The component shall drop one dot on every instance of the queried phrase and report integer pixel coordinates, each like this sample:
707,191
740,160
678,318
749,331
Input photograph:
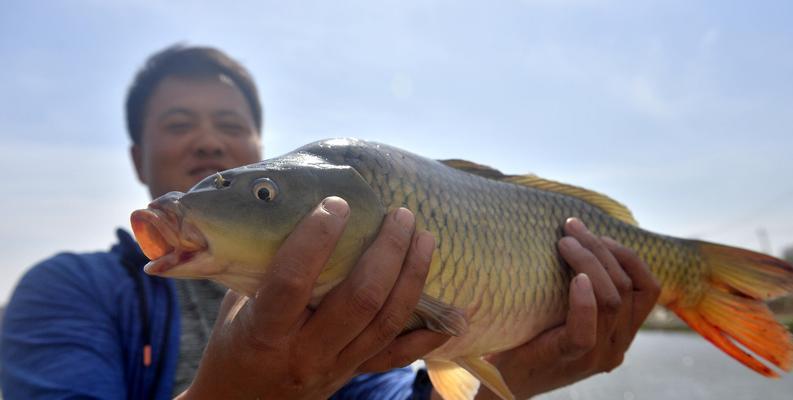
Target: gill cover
246,213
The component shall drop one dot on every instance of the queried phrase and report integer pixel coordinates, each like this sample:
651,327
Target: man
93,325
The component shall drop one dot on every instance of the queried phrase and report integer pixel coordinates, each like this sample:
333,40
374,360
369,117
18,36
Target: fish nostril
220,182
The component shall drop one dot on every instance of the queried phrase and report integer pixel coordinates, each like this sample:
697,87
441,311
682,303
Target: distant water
675,365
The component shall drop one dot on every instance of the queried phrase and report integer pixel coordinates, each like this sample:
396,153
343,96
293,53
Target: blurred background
682,110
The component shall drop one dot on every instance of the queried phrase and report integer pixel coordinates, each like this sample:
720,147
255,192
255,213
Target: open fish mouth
167,239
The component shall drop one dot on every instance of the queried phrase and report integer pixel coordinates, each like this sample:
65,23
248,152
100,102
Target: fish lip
154,234
165,235
176,263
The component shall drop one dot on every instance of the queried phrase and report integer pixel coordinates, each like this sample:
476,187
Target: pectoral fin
487,374
451,381
437,316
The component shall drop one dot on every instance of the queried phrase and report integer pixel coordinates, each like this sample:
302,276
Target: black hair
190,62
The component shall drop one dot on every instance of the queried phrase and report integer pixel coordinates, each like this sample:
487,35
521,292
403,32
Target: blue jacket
77,326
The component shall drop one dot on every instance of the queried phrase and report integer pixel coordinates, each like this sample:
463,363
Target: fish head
229,226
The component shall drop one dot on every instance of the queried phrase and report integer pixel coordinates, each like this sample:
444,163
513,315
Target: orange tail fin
733,309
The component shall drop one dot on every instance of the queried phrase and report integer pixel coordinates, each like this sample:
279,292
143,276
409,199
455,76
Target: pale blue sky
683,110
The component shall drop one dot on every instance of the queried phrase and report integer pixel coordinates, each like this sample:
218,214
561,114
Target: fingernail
569,243
336,206
425,244
148,269
404,218
576,225
582,281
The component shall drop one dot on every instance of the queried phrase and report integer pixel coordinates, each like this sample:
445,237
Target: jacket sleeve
397,384
59,336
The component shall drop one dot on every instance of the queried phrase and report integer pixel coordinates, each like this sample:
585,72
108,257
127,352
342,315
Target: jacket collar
128,248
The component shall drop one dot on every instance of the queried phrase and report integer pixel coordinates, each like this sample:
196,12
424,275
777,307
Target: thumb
229,307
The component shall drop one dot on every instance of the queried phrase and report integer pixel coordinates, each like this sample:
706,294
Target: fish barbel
496,278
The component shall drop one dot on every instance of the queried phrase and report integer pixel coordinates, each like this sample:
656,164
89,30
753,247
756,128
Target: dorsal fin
474,168
605,203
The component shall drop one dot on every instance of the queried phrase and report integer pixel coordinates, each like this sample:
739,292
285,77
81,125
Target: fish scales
514,228
510,216
496,278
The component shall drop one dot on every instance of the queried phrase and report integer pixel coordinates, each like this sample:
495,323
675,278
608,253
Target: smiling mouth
165,237
205,170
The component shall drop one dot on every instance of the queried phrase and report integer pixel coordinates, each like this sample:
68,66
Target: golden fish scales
496,242
496,279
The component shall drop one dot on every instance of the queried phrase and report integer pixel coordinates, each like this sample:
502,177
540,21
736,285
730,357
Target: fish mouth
166,238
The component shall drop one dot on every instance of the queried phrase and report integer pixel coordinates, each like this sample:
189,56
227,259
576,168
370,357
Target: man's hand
609,299
273,346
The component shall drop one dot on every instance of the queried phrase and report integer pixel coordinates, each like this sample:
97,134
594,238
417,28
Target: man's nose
208,142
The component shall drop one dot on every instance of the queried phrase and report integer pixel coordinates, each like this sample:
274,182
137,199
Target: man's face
191,129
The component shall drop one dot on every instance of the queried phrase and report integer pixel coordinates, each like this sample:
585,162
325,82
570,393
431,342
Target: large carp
496,278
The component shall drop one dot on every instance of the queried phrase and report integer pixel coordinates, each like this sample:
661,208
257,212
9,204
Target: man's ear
136,153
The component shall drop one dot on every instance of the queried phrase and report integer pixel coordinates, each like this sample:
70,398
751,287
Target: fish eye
265,189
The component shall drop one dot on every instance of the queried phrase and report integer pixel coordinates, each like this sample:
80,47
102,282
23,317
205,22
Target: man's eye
233,129
178,127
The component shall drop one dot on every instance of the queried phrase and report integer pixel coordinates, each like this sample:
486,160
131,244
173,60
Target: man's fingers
574,227
404,350
580,330
346,311
391,319
646,286
584,261
289,280
614,291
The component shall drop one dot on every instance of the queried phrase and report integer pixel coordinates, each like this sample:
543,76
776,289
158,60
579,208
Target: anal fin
452,381
488,374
